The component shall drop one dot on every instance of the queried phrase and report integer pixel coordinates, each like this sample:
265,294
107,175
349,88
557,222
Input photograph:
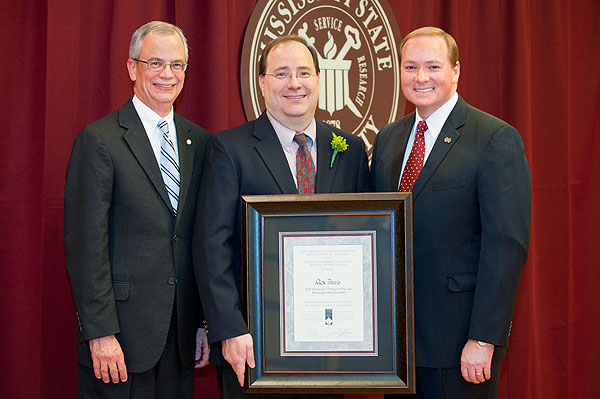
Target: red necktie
415,159
305,168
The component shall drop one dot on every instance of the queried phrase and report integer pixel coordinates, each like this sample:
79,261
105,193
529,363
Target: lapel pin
188,142
447,140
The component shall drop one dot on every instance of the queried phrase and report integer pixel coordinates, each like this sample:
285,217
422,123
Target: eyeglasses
288,75
156,65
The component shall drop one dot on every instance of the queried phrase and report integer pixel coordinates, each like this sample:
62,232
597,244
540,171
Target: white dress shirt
290,147
150,120
435,123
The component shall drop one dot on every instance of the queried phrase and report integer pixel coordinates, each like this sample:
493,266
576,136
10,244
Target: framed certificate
328,289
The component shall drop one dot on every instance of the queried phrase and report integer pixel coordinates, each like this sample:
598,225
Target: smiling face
427,75
291,101
158,90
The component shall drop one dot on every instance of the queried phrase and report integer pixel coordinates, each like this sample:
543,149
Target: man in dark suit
130,201
472,210
259,157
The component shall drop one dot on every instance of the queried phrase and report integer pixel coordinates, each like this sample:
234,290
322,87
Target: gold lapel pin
188,142
447,140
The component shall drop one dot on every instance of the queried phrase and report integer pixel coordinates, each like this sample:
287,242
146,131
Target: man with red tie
284,151
471,192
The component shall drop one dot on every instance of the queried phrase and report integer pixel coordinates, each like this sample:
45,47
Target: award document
328,293
328,289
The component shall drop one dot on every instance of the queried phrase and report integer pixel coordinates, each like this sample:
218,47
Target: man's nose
294,80
167,72
422,75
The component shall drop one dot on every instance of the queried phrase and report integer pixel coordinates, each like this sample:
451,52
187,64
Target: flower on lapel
338,144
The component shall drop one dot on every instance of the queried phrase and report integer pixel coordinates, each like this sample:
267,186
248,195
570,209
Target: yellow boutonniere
338,144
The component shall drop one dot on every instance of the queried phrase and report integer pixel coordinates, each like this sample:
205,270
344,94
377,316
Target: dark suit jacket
127,255
249,160
472,210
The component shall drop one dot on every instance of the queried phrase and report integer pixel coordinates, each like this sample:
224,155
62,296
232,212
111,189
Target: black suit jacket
249,160
472,211
127,255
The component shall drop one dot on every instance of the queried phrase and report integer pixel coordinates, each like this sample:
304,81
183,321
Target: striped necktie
169,165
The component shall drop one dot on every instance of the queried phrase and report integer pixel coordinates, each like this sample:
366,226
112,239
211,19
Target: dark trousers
168,379
230,389
448,383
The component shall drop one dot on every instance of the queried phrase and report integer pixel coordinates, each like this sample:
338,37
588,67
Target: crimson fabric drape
533,63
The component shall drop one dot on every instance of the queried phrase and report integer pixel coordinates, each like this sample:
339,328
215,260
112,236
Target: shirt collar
148,117
436,120
286,135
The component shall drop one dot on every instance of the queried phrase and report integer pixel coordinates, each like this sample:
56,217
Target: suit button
176,238
171,280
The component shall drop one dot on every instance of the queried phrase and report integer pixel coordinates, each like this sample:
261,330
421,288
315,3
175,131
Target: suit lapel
269,149
325,175
138,142
186,146
400,146
444,143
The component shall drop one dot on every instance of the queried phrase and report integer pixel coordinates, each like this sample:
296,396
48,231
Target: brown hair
433,31
262,63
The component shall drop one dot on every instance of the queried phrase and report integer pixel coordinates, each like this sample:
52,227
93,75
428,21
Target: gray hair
157,28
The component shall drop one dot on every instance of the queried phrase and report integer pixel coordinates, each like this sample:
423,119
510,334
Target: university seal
356,41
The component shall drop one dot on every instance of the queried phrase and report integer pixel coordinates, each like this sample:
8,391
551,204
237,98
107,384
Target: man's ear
131,68
261,83
456,72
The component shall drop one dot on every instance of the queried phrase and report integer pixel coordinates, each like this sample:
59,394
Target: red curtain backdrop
534,63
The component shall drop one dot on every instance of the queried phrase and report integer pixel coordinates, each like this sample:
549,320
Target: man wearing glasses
130,202
284,151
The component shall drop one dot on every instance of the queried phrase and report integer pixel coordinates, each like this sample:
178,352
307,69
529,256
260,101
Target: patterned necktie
169,166
305,168
415,159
